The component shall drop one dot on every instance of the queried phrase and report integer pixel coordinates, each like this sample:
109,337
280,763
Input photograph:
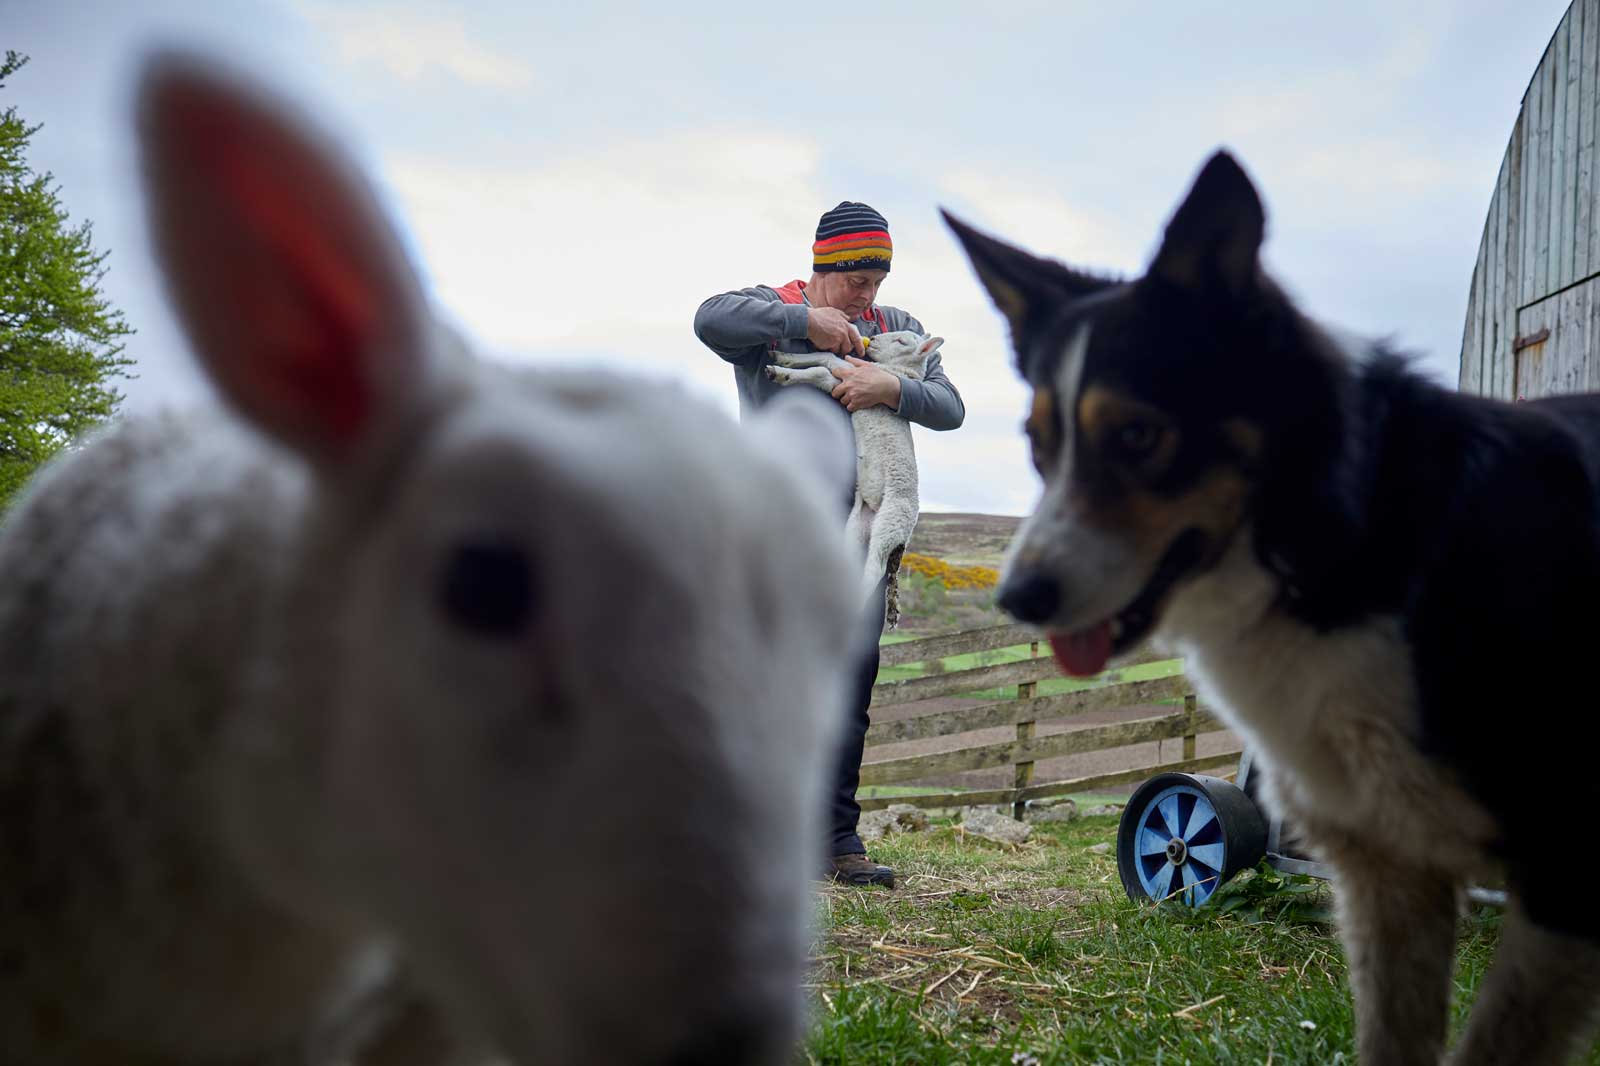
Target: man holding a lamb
879,363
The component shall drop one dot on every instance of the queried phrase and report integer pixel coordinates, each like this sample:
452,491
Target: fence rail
1025,710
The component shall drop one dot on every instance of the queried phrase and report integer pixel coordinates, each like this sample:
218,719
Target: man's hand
831,331
863,384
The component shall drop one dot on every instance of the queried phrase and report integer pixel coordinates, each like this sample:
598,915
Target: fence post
1025,691
1191,726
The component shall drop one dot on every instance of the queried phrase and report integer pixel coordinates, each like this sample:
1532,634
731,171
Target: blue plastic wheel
1183,835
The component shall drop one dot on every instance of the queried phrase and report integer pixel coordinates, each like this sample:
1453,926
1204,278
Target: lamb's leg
891,532
876,567
858,527
1538,1000
891,610
801,360
817,377
891,529
1398,923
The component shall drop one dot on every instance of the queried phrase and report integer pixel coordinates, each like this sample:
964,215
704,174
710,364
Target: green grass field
1047,687
986,955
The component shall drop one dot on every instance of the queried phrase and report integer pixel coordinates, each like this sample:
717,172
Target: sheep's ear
1028,290
294,291
814,434
931,345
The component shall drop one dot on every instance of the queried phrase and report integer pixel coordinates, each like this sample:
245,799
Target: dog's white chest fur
1333,716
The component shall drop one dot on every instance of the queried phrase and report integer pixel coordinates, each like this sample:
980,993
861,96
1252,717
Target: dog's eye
1138,438
487,588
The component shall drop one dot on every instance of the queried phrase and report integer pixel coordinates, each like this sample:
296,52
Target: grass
1082,799
1034,955
880,791
1048,687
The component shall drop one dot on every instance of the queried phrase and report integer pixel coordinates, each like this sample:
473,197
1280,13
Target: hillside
935,600
964,539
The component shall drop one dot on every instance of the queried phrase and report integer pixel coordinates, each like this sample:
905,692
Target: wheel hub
1180,836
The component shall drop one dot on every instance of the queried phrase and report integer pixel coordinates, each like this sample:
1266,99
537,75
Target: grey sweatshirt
742,327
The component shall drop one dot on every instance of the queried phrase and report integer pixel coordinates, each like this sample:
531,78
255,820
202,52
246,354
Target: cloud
982,467
584,223
413,43
1044,214
609,251
599,257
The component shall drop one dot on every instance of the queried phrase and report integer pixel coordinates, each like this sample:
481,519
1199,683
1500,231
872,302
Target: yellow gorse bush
953,577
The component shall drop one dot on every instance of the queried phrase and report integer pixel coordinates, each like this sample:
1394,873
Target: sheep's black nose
1030,597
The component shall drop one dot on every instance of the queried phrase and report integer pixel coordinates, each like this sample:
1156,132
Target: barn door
1528,350
1550,350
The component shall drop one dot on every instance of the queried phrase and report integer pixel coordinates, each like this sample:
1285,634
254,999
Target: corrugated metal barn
1533,318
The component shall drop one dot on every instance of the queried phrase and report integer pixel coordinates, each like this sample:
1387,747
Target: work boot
857,869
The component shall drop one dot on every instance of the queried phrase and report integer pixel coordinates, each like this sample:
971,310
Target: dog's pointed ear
1213,242
1026,288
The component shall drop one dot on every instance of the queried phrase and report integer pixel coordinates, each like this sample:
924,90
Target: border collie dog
1386,587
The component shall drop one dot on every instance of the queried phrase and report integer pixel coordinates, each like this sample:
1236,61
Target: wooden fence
1180,717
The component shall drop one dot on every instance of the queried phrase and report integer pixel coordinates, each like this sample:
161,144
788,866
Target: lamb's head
552,708
904,352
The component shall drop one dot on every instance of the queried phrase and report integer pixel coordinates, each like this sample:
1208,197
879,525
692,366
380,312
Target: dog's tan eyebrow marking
1247,439
1102,411
1097,407
1041,424
1101,408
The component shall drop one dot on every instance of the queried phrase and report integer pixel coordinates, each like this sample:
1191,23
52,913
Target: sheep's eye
487,588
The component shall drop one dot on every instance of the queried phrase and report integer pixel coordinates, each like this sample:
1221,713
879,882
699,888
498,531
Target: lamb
886,506
417,709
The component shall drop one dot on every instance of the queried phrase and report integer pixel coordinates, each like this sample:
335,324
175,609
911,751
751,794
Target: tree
61,341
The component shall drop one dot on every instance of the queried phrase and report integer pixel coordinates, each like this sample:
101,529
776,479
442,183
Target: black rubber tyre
1183,836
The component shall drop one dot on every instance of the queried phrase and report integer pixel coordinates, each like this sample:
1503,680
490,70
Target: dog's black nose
1030,597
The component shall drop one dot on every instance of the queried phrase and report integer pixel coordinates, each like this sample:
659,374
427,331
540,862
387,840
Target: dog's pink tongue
1084,653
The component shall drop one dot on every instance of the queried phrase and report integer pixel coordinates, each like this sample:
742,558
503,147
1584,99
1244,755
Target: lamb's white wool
427,709
886,505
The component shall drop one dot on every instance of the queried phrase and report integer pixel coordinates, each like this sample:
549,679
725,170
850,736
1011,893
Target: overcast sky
572,183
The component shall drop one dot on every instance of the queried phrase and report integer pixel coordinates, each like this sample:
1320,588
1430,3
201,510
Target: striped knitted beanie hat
851,237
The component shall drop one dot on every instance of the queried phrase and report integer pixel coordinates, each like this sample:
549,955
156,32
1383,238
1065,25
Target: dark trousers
845,812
